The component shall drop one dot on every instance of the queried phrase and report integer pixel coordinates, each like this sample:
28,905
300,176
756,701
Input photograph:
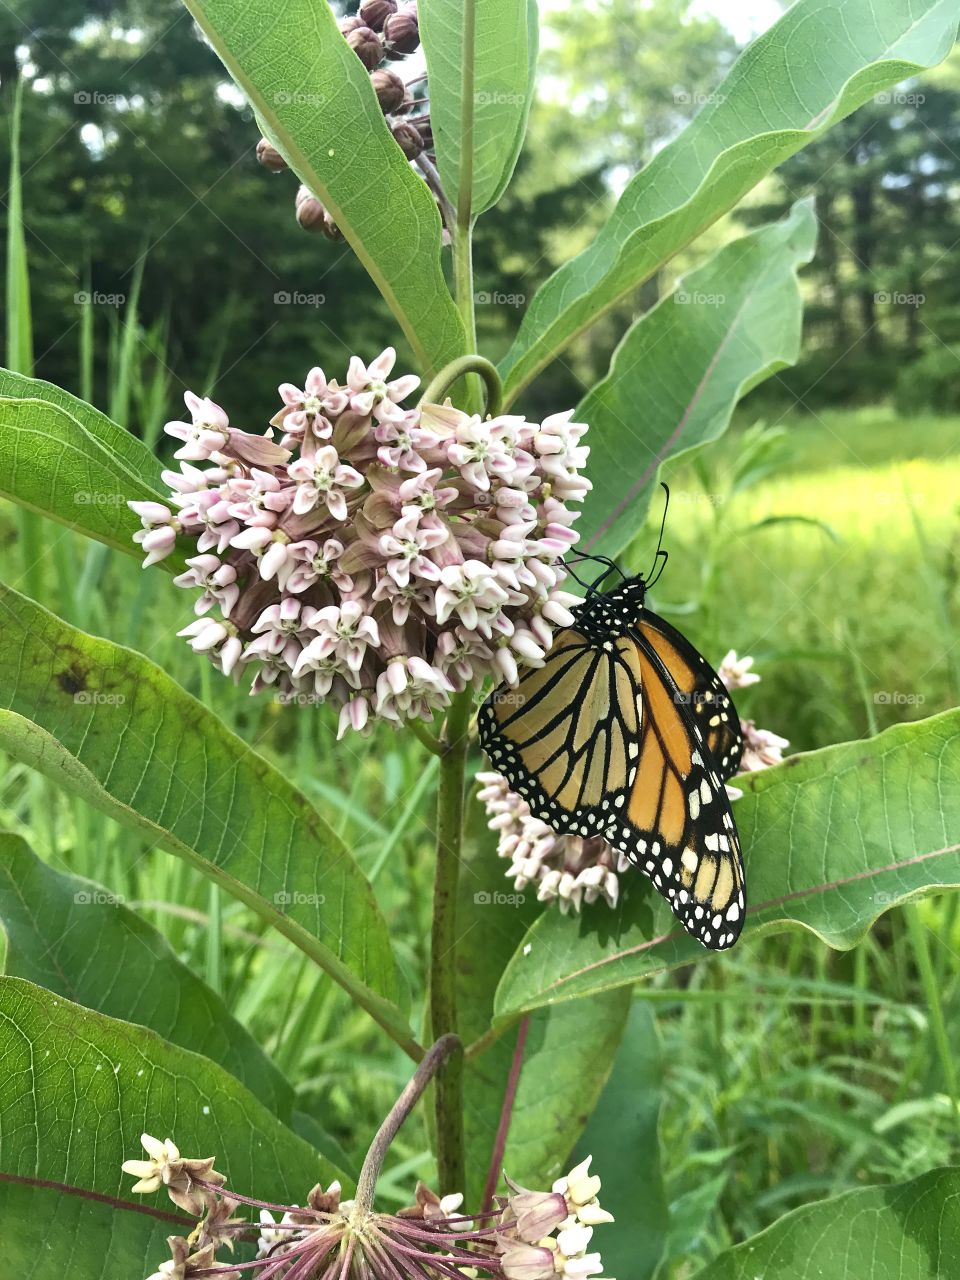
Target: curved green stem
443,951
441,384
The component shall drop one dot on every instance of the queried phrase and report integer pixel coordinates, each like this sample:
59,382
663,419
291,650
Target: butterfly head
604,615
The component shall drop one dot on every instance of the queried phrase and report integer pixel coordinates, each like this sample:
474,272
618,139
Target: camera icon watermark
98,898
898,698
498,98
94,98
294,98
898,299
484,898
296,298
697,298
98,698
899,98
683,98
294,898
87,499
98,299
497,298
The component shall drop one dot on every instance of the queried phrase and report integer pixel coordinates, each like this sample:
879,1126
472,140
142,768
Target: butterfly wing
565,738
702,689
603,740
677,824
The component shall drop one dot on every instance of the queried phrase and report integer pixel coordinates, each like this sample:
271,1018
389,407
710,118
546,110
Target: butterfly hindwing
608,738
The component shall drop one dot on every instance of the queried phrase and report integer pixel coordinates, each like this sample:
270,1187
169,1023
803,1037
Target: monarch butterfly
627,733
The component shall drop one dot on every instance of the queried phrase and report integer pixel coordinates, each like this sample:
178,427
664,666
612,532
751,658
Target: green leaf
47,1231
65,459
822,60
623,1137
571,1046
314,98
481,59
79,941
832,840
680,370
78,1089
877,1233
106,723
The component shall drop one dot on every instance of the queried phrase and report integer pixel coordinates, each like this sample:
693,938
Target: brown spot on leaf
72,681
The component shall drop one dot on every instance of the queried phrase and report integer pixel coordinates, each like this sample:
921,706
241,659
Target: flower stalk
443,952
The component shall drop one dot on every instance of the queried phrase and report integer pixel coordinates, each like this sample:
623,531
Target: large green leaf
48,1232
623,1136
877,1233
571,1046
680,370
822,59
481,58
108,724
65,459
315,100
78,940
78,1089
831,839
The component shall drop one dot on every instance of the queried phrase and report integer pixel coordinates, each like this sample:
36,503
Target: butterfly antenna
609,566
660,556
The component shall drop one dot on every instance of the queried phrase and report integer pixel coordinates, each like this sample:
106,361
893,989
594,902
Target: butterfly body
627,733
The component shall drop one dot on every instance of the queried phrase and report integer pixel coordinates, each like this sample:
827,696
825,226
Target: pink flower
761,748
406,547
380,558
219,583
323,480
471,591
207,431
158,537
311,563
343,632
369,390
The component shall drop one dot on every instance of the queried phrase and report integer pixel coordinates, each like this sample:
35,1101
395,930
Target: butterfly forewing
621,734
701,688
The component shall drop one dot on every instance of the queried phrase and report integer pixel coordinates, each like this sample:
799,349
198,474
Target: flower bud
351,24
389,88
409,139
368,47
375,12
401,31
426,133
312,216
270,157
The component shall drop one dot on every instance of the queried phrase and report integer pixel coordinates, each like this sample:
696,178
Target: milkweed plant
400,538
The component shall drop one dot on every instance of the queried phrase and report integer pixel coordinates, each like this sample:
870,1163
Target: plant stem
443,974
441,384
432,1061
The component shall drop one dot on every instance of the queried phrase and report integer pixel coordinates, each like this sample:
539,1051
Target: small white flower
735,672
470,590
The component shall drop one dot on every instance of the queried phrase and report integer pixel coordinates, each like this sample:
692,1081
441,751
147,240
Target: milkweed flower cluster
572,870
376,557
527,1235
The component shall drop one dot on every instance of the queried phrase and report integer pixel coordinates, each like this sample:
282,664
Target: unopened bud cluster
528,1235
381,34
376,557
572,870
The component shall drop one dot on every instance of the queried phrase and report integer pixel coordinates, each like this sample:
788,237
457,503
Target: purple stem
506,1115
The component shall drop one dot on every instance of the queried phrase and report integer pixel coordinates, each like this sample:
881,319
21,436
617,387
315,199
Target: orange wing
605,740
